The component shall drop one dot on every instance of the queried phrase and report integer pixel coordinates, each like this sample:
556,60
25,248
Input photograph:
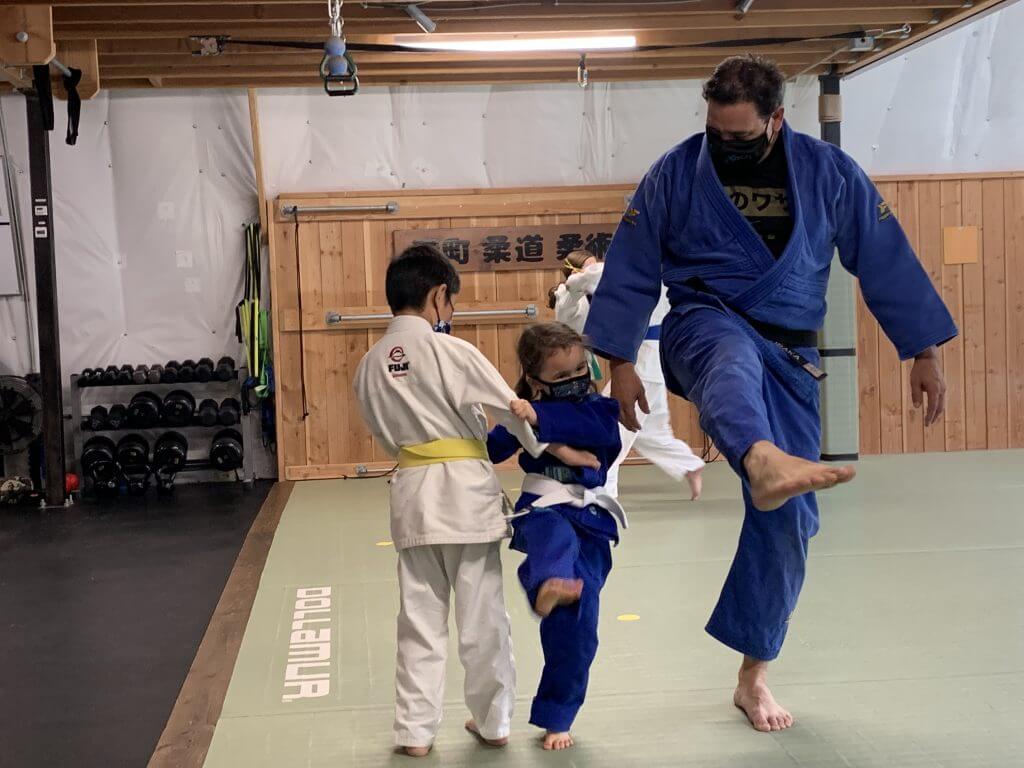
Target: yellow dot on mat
384,543
628,617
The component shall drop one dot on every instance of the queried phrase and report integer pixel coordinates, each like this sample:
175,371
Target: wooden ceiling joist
150,43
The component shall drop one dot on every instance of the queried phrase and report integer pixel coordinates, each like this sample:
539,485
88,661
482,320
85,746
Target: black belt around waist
787,337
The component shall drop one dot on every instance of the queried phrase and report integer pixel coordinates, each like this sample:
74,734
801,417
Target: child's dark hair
573,262
536,342
414,273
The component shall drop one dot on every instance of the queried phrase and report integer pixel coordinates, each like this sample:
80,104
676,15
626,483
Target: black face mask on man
738,154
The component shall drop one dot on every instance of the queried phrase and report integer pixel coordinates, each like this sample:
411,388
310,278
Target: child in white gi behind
423,393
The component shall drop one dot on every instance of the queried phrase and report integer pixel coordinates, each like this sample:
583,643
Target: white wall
158,174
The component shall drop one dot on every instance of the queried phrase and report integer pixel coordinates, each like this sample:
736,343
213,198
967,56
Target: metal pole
530,310
60,67
293,210
46,302
840,434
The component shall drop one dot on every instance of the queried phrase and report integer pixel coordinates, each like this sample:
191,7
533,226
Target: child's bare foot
755,699
696,483
776,477
471,726
556,592
557,741
416,751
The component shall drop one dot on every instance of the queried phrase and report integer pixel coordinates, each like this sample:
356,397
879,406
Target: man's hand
628,390
926,376
523,411
574,457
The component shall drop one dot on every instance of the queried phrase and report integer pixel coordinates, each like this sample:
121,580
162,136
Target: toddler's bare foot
556,592
776,477
557,741
471,726
416,751
696,482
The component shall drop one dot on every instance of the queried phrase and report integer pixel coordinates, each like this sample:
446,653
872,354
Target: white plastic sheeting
483,137
952,105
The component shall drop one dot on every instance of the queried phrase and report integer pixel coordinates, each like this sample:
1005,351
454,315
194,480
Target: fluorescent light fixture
425,22
621,42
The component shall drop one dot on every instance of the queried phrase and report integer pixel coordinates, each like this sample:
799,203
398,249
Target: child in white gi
655,440
423,394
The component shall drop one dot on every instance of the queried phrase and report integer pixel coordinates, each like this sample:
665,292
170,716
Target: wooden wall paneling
313,360
1013,210
913,418
868,334
291,426
929,196
994,270
953,351
976,420
890,370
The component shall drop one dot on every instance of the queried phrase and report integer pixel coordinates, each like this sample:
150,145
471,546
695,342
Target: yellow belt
441,451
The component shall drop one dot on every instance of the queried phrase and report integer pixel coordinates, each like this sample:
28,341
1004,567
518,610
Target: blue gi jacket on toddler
565,541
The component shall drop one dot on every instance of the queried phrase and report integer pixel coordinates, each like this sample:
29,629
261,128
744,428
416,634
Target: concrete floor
907,648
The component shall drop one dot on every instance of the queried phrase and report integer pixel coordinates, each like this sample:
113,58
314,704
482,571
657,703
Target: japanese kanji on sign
483,249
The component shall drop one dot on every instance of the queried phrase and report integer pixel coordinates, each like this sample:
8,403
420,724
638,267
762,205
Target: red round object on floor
70,482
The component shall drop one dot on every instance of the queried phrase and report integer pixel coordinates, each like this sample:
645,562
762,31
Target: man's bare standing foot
557,741
776,477
472,727
756,700
556,592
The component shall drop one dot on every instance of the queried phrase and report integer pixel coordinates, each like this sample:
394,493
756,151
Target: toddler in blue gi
564,522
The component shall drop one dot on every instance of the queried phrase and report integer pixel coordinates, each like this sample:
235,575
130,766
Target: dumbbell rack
83,398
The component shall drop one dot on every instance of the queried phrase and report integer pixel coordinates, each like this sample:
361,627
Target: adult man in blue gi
741,223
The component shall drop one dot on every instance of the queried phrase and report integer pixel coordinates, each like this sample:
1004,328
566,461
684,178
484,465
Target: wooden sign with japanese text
483,249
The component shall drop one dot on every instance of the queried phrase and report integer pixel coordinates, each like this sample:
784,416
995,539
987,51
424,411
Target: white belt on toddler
552,493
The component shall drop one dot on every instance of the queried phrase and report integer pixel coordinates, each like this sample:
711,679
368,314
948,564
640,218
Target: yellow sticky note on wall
960,245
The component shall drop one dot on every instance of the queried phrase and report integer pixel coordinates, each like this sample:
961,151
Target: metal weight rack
198,436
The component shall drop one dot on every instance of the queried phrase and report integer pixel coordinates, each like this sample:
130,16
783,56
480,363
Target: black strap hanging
74,103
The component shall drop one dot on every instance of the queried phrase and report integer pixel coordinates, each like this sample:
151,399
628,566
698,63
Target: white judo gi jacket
415,386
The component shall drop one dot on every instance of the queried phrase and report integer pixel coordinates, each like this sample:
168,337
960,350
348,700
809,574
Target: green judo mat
907,648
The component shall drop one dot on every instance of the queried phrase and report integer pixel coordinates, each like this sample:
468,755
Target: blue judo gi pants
557,547
741,400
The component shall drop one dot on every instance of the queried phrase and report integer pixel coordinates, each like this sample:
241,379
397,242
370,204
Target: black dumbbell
208,413
204,370
144,411
226,450
99,463
109,376
140,375
230,412
187,371
178,408
124,376
117,418
95,378
98,418
225,369
133,459
170,374
155,374
169,457
85,377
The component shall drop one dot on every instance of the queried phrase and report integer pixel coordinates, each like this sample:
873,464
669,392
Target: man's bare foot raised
557,741
776,477
556,592
472,727
755,699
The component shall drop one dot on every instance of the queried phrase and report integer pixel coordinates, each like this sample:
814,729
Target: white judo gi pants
655,440
426,577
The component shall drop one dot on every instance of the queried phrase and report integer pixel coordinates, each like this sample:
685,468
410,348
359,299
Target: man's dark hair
414,273
750,78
